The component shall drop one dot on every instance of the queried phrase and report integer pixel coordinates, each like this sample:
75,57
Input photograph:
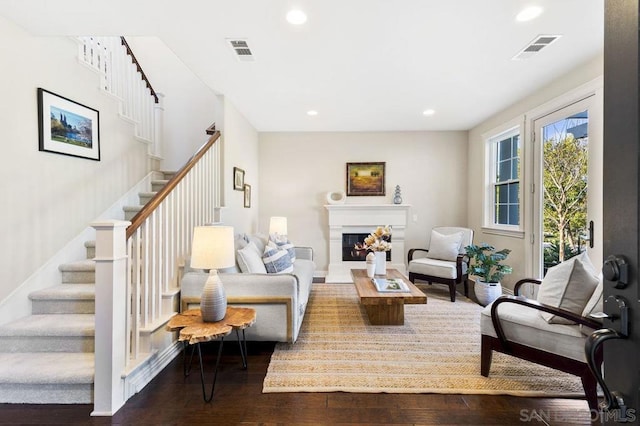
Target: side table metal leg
186,367
215,372
243,348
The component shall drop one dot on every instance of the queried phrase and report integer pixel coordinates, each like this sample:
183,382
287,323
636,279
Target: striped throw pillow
277,261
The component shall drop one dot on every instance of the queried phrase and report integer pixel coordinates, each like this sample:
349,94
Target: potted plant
485,264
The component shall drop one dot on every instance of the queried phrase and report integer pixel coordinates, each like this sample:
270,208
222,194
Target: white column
111,313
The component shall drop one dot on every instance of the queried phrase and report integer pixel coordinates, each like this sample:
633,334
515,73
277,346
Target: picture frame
238,179
67,127
247,196
366,179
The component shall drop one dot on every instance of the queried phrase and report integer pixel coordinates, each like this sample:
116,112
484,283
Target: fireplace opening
349,251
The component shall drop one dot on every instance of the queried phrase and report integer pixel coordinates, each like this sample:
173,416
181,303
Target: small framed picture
365,179
238,179
67,127
247,196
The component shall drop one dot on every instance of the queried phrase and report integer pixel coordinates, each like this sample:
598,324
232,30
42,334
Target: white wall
521,247
48,198
240,148
298,169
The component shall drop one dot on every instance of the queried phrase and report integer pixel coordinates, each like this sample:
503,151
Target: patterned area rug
437,350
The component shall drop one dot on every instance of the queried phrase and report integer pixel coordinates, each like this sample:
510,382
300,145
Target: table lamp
212,249
278,226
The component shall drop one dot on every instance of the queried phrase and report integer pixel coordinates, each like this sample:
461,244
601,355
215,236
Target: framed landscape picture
67,127
365,179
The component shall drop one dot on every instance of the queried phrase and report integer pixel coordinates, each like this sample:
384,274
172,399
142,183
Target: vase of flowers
379,242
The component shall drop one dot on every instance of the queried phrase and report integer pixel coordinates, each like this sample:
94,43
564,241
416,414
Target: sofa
279,297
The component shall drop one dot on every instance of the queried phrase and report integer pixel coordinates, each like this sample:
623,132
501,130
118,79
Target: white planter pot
487,292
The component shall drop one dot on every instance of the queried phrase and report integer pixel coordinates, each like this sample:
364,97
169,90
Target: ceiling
363,65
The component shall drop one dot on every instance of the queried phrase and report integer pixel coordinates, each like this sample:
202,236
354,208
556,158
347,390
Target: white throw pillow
594,305
277,261
444,247
569,286
250,260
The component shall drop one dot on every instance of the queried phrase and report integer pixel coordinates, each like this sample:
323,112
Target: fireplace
350,252
360,220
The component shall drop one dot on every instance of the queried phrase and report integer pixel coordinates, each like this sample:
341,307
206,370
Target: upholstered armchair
445,261
552,329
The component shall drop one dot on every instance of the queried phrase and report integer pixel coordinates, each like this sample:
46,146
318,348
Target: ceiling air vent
241,49
539,43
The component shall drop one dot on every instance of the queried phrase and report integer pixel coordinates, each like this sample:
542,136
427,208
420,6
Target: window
503,201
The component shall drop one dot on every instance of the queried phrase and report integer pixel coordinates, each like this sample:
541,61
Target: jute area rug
437,350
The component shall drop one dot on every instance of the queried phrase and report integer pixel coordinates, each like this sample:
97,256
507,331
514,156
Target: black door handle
616,269
612,400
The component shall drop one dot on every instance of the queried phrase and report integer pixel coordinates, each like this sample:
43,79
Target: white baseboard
146,371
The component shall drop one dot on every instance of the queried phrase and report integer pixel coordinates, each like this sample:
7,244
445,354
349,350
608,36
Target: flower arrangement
378,240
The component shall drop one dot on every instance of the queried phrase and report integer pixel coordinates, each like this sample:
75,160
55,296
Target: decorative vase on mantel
381,263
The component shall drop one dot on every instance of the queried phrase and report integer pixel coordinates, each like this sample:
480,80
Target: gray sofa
280,299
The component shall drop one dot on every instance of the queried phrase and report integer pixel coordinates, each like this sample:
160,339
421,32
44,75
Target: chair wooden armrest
534,304
412,251
516,288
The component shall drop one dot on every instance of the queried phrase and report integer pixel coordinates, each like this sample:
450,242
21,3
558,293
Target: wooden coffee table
385,308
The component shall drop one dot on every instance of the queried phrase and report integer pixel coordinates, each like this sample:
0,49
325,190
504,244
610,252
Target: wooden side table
193,331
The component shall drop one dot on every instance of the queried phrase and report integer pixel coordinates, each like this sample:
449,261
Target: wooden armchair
513,325
445,261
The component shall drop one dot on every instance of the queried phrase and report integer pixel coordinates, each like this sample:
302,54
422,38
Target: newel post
110,333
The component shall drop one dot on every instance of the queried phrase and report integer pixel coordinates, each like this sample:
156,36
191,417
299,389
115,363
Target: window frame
491,139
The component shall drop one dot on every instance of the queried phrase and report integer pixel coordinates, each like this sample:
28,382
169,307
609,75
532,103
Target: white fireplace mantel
364,218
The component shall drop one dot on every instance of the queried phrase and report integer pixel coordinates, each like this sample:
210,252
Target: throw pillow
569,286
283,243
444,247
594,305
250,260
277,261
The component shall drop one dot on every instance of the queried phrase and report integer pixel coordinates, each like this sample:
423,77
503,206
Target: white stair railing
122,76
137,270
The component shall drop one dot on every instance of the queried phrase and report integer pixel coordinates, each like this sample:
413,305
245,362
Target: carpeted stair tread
87,265
51,325
46,368
132,208
65,292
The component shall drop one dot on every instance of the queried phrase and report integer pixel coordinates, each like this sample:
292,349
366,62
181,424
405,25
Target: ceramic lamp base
213,302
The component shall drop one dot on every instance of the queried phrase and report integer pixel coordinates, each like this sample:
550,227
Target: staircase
48,357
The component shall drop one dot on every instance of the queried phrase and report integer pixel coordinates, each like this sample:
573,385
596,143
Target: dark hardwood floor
171,399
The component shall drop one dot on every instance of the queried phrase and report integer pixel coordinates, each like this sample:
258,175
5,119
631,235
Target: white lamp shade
212,247
278,225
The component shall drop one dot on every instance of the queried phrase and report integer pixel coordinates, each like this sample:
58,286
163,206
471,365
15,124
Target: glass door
564,225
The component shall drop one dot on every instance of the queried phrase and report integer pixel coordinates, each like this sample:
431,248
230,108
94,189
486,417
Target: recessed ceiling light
312,112
528,14
296,17
428,112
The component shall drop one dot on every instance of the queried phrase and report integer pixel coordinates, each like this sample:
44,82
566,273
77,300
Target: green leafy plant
485,262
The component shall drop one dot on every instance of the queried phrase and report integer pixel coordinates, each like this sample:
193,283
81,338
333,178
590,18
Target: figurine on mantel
397,197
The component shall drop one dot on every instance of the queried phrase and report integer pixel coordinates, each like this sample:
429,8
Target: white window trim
510,128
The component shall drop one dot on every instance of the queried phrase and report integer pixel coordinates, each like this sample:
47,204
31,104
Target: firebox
349,251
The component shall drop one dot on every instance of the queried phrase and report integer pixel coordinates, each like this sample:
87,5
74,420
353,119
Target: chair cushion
568,285
444,247
250,259
467,235
524,325
434,267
